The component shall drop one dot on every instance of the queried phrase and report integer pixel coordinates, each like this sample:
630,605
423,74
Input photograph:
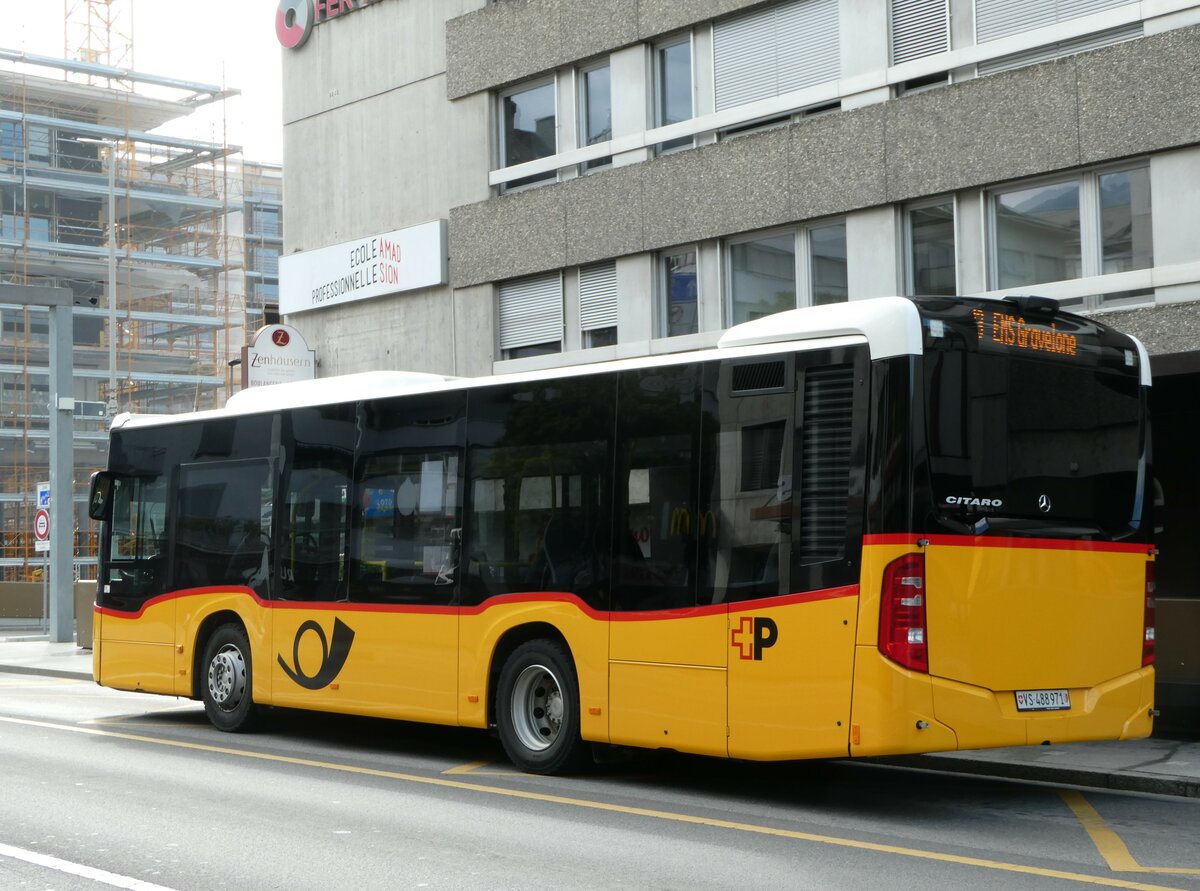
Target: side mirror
100,500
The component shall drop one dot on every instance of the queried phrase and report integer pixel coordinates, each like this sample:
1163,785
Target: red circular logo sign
280,338
41,525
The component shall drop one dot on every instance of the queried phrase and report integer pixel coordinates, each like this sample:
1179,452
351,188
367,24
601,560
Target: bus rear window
1015,438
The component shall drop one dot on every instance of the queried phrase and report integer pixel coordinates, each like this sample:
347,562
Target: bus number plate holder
1043,700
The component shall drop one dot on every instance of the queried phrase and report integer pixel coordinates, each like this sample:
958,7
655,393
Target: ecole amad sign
277,355
371,266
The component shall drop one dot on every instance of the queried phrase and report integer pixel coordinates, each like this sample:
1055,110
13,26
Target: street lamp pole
111,297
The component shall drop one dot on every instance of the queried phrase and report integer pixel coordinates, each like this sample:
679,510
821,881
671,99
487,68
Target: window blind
995,19
531,311
775,50
919,28
598,296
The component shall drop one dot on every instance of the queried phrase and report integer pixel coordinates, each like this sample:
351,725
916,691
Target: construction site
169,246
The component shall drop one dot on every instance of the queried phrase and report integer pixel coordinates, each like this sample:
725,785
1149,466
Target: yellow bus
889,526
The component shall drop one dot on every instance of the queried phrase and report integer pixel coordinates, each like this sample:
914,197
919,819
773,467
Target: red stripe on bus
973,541
497,601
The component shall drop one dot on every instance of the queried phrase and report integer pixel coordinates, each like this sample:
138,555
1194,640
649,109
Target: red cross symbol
746,633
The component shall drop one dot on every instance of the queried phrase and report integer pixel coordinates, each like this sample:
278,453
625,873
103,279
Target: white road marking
78,869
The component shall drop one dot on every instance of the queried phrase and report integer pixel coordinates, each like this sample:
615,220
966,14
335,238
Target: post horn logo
333,658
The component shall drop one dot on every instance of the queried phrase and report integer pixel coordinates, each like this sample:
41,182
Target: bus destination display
1006,330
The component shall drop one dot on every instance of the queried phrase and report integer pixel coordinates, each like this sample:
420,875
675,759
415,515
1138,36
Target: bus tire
537,709
226,680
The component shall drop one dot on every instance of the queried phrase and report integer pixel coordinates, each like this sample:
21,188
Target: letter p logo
753,635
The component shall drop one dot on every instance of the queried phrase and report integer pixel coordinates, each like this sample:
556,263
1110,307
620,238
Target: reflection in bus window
540,457
409,506
660,525
138,535
223,529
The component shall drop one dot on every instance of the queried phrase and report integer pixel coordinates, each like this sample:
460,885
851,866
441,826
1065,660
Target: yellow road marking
1108,843
475,768
669,816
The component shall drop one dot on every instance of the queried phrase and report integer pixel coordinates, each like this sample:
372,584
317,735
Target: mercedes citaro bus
887,526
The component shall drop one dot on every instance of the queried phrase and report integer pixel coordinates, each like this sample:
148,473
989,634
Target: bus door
667,639
786,495
135,632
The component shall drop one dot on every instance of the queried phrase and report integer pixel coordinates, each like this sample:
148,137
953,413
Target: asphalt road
103,789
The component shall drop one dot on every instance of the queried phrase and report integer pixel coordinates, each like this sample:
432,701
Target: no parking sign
41,519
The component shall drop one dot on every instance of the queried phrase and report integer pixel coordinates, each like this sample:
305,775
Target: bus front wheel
537,709
226,680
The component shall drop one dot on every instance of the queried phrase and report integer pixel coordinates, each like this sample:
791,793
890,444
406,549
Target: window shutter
919,28
598,296
809,48
1059,50
531,311
775,50
744,58
1000,18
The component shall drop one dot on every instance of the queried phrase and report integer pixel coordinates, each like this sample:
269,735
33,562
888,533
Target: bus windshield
1032,441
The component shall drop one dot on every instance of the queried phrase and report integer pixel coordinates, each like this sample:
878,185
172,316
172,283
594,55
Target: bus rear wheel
537,709
226,680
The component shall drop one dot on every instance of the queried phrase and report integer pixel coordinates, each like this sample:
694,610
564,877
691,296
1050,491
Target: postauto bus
887,526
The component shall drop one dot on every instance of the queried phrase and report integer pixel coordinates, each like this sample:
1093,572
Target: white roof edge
319,391
891,325
1143,360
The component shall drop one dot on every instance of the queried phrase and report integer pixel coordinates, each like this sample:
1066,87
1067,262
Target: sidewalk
1158,766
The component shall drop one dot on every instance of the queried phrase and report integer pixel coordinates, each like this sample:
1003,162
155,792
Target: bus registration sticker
1043,700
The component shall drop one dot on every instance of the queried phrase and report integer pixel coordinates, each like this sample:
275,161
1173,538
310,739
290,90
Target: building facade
169,245
616,178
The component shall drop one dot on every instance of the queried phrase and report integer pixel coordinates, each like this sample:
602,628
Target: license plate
1043,700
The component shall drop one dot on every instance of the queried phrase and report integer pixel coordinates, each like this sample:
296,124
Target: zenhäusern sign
277,355
371,266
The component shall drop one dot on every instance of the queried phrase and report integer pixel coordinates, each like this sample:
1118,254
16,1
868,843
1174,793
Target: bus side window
659,522
407,500
410,514
223,524
137,537
314,526
540,459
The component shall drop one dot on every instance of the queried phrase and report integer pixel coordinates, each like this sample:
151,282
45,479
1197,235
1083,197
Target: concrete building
590,179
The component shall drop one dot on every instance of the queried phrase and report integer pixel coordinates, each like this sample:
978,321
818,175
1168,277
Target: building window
12,141
531,316
677,279
673,88
598,304
766,277
595,104
931,260
39,144
528,129
762,277
1094,223
827,264
771,51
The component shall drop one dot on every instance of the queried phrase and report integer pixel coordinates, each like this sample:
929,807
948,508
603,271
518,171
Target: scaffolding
160,285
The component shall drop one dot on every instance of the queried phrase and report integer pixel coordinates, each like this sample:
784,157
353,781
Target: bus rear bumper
897,712
1121,708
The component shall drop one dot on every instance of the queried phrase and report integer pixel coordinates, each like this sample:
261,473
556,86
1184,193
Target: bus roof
890,326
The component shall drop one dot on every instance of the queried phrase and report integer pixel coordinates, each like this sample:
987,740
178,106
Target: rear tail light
1148,618
902,631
